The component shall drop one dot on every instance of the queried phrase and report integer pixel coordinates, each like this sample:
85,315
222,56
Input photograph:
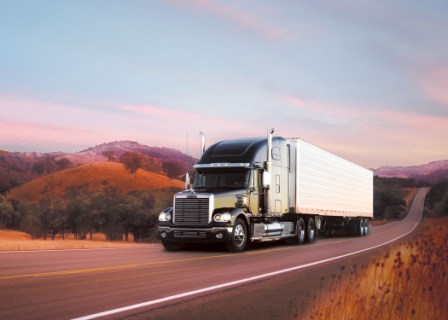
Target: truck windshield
221,179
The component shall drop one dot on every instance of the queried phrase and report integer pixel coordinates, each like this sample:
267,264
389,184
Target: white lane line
234,283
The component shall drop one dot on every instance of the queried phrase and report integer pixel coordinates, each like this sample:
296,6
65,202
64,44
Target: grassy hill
17,168
97,176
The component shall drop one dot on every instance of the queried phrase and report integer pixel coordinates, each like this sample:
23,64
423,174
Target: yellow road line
136,265
92,270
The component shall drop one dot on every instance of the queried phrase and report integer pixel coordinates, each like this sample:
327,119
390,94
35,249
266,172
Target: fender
236,213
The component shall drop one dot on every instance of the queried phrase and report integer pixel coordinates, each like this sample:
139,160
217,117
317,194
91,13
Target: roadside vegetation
82,213
101,197
392,197
408,282
437,199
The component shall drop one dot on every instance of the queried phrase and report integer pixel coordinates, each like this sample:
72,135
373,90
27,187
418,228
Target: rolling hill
17,168
97,175
430,172
153,157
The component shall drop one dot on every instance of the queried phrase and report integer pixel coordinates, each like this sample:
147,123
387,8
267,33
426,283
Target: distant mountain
96,175
17,168
430,172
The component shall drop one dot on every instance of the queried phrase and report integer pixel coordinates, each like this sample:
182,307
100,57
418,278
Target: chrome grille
191,211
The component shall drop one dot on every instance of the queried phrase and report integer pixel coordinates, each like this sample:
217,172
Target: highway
270,280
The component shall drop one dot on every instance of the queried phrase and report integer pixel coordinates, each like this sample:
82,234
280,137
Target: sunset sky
367,80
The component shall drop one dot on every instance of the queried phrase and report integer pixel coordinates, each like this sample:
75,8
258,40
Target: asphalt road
268,281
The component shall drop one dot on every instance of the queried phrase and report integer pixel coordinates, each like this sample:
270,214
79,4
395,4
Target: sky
367,80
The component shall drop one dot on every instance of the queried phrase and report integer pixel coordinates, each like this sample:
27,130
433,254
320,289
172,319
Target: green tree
47,209
388,200
79,211
109,154
112,207
7,214
171,169
140,215
131,160
63,163
437,198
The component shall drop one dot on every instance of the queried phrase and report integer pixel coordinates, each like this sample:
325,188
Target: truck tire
299,236
356,227
172,246
310,236
366,227
238,239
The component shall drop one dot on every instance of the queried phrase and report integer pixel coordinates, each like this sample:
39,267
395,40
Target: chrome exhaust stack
202,142
269,152
266,178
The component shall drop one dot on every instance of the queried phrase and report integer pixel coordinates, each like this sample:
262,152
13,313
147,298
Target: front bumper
194,235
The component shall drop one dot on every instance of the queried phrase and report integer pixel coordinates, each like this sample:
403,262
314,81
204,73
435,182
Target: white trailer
327,185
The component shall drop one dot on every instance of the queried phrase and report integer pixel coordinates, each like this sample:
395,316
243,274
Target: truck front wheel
238,239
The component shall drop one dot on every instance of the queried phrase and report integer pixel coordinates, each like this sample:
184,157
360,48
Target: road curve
151,283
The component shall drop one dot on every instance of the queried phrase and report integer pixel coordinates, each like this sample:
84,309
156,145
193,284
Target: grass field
408,282
11,240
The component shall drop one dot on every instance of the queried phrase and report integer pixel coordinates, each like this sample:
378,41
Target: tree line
388,198
82,212
134,161
437,199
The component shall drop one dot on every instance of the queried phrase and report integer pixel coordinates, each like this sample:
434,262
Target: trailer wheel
366,228
310,230
363,227
356,227
299,237
172,246
238,238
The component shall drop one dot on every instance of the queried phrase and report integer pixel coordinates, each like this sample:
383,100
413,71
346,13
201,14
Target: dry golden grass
97,175
11,240
409,282
13,235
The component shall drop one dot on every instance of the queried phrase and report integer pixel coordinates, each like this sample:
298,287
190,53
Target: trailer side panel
328,185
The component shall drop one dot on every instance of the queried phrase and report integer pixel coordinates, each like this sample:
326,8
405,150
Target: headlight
222,217
164,216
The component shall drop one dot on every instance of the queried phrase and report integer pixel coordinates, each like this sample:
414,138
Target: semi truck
264,189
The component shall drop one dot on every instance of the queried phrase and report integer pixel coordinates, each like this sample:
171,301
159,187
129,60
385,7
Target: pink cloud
164,113
316,107
399,137
239,18
368,115
435,85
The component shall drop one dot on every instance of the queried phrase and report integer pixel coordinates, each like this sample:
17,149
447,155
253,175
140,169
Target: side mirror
266,179
187,181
